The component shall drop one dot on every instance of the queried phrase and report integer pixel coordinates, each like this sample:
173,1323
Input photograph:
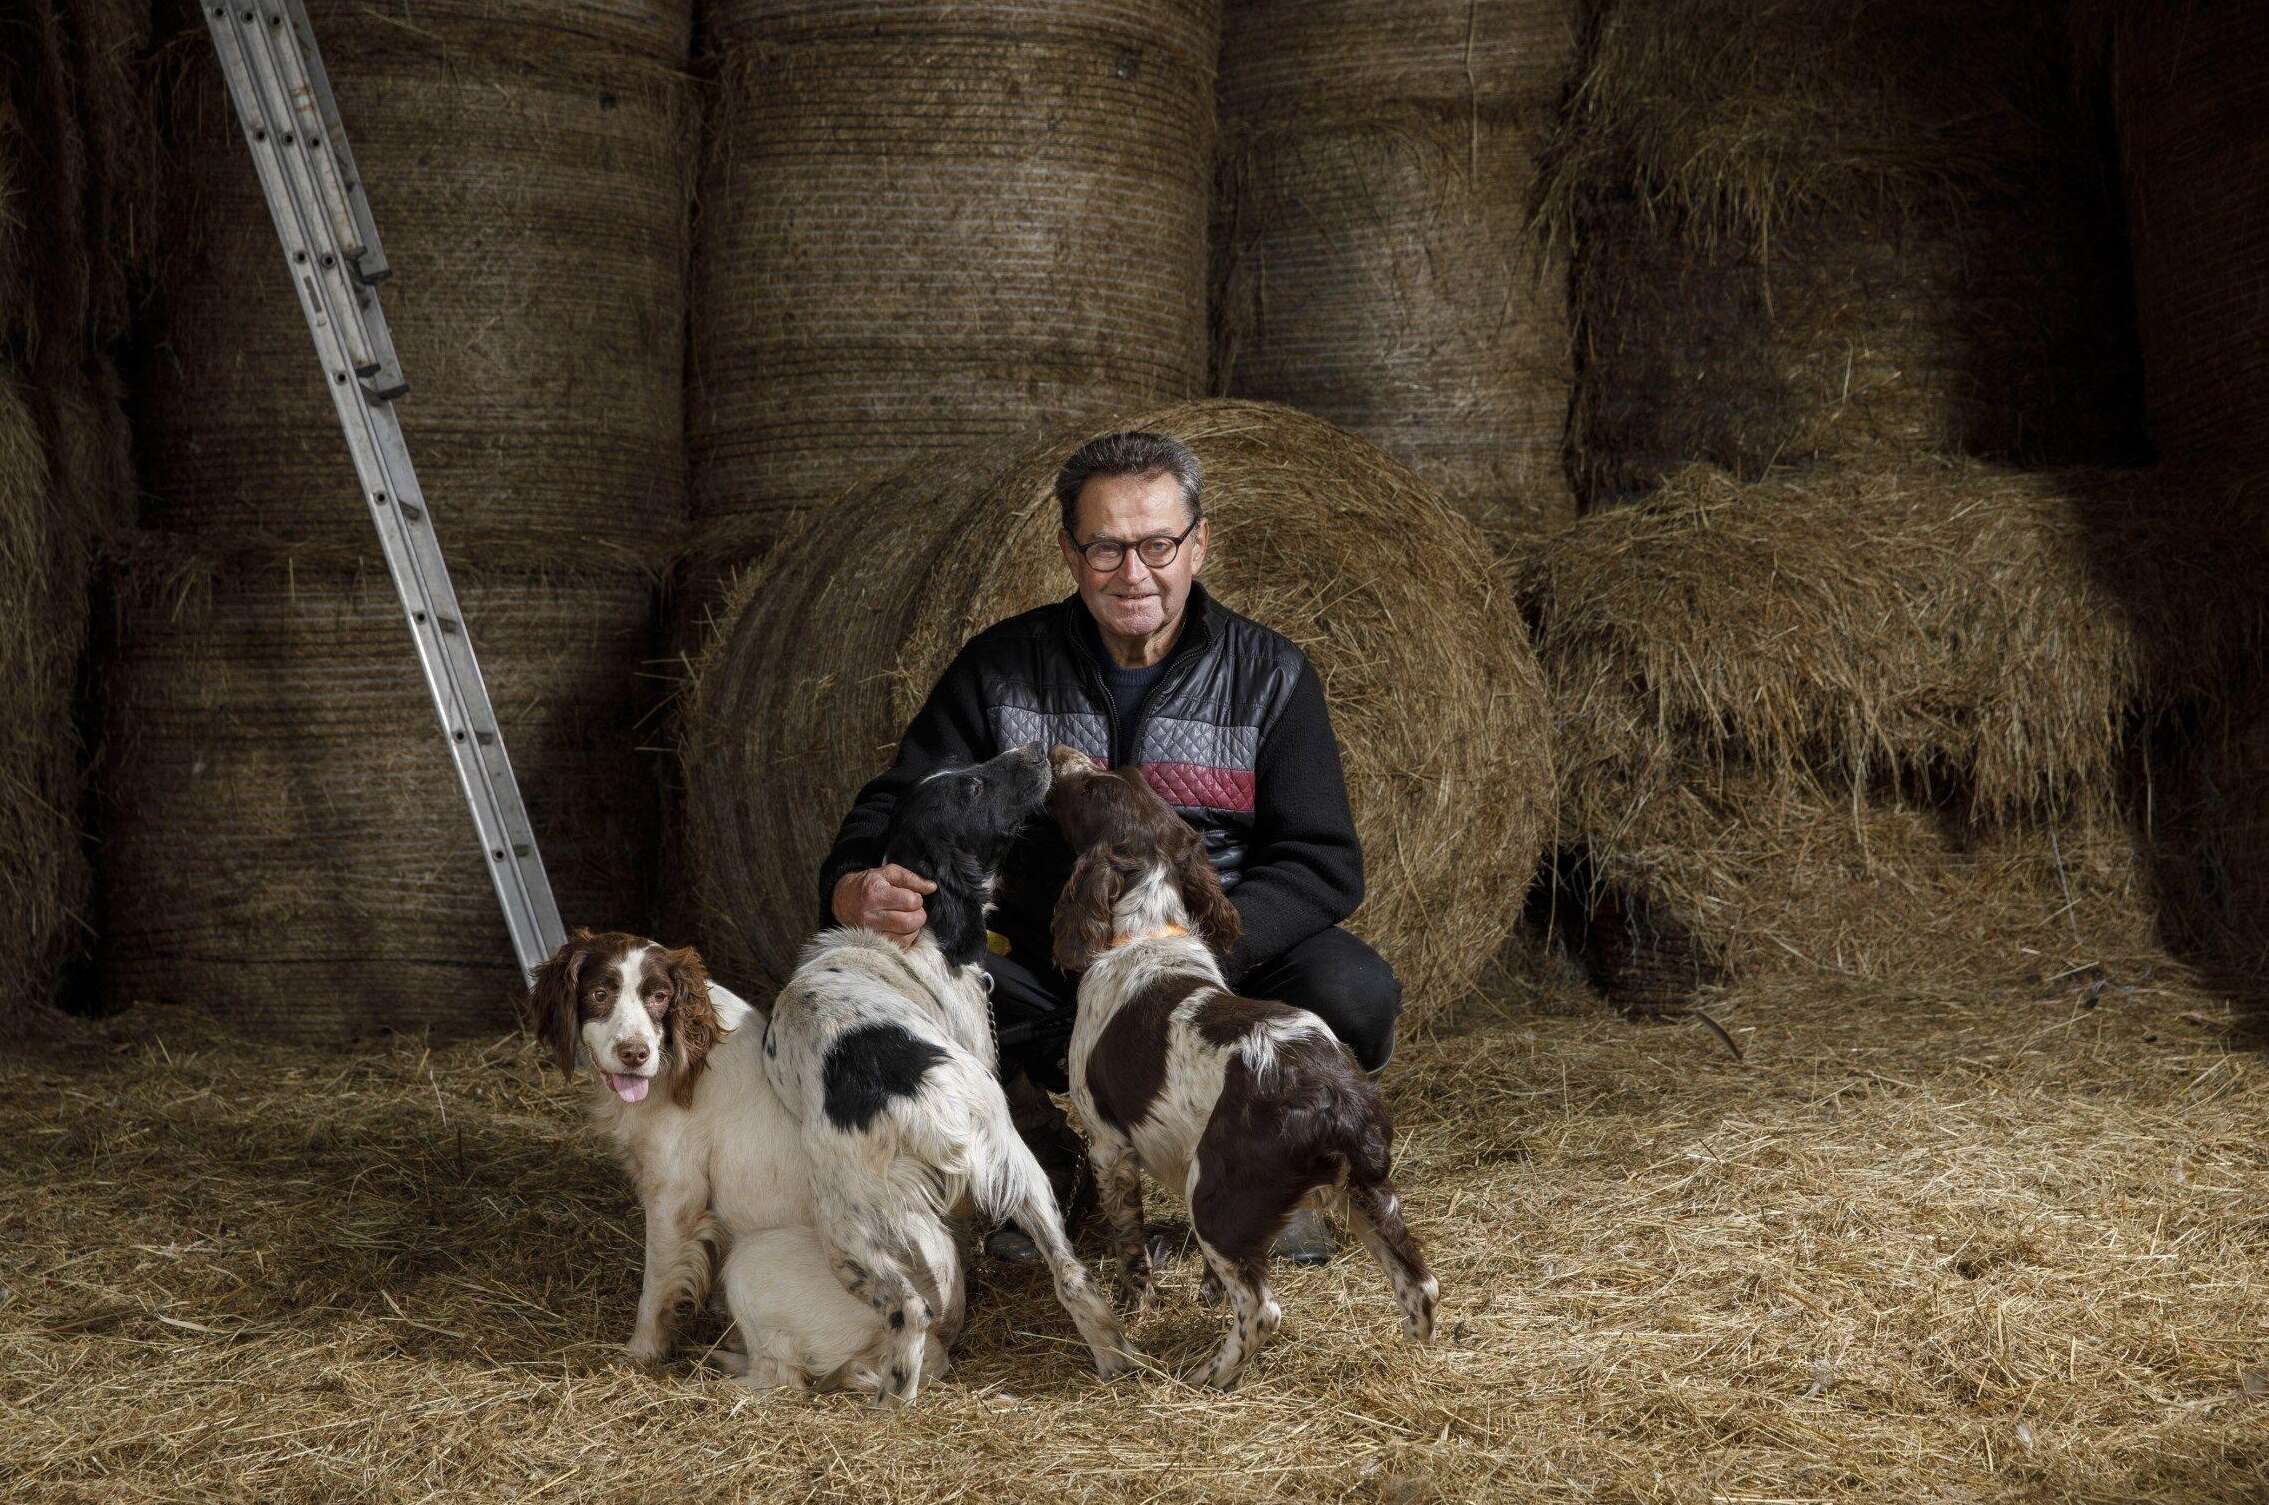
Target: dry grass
2000,633
1945,1247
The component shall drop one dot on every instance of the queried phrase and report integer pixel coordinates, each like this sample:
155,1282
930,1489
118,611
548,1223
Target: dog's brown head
638,1009
1121,830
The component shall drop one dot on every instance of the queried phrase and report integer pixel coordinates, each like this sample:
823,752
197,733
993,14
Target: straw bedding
1370,260
526,163
284,835
1803,230
1432,686
1942,1245
926,225
2190,83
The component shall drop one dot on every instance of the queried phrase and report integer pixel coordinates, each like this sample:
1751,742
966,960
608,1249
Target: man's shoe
1306,1239
1011,1245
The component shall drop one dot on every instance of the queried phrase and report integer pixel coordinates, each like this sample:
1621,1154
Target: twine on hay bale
527,165
926,225
1370,263
1803,230
2190,88
1432,687
286,841
1995,632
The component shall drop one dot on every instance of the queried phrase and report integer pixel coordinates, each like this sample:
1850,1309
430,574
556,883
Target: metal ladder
283,101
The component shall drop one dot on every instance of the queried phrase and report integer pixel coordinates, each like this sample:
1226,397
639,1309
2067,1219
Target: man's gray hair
1130,453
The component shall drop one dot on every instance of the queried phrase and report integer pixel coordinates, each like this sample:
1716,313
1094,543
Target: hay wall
1805,231
284,834
926,225
2190,83
527,166
69,181
1431,683
1808,722
285,840
1371,260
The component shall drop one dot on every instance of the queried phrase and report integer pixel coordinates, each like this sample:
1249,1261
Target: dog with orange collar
1251,1109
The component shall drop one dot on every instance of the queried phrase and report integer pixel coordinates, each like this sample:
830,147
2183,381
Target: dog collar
1162,933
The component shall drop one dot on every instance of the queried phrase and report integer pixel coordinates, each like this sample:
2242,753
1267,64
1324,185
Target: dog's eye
658,999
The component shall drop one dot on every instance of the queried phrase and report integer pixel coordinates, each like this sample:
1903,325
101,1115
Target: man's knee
1351,987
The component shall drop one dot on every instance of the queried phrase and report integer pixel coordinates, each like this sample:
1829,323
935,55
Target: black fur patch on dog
869,1066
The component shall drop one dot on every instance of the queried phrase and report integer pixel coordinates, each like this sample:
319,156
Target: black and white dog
886,1055
1248,1108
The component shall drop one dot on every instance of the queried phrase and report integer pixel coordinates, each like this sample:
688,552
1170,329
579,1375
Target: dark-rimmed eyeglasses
1106,554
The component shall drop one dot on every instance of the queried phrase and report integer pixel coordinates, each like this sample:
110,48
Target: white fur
729,1174
885,1187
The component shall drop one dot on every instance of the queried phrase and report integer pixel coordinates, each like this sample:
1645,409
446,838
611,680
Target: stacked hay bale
1805,230
69,179
1372,264
285,838
1433,689
1875,721
925,225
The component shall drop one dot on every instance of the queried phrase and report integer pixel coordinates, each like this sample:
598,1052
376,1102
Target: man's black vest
1202,724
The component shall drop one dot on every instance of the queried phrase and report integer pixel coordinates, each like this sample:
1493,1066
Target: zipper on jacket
1175,674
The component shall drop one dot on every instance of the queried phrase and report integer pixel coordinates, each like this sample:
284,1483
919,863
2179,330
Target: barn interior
1775,491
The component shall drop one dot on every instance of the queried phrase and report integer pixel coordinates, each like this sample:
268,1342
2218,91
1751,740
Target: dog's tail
1005,1181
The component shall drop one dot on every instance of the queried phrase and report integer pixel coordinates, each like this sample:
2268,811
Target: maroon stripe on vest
1193,786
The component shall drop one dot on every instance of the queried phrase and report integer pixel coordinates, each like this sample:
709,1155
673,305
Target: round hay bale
1372,264
285,838
2190,82
527,162
1432,687
924,225
1997,633
1803,231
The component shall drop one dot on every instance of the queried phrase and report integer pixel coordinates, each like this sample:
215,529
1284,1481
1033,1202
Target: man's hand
886,898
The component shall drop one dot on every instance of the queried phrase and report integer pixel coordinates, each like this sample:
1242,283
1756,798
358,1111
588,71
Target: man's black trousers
1332,974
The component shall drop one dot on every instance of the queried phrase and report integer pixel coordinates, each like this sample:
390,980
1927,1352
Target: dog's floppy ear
551,997
1082,924
692,1019
1211,914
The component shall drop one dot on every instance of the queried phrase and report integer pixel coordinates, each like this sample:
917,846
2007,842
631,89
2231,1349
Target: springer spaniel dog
720,1168
1248,1108
885,1054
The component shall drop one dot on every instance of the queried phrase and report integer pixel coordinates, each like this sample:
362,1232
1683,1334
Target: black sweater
1291,863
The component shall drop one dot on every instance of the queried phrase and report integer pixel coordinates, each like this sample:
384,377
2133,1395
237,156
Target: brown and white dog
1248,1108
718,1161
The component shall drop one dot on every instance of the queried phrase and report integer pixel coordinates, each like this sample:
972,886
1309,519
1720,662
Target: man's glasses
1107,554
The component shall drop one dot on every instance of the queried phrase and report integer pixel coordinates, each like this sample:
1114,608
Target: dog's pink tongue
630,1089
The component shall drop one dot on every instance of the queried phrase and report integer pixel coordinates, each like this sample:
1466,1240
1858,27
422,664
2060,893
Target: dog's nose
632,1054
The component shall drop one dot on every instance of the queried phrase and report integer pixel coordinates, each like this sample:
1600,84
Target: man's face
1134,600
